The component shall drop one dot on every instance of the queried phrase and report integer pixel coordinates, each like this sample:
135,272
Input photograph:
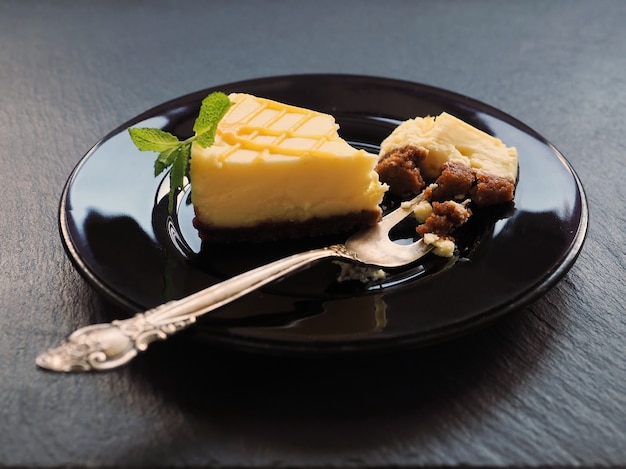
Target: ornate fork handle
106,346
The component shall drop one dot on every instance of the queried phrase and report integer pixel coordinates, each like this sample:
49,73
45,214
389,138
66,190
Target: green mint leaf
213,108
176,154
165,160
178,173
148,139
206,139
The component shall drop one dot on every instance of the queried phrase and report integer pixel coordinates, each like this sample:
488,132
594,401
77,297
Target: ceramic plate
116,229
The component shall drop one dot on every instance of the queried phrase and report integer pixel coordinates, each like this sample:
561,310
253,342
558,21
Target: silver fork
109,345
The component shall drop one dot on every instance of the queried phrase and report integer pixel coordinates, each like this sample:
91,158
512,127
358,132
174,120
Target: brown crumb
492,190
400,169
445,218
455,182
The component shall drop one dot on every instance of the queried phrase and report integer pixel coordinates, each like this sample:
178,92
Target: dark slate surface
543,387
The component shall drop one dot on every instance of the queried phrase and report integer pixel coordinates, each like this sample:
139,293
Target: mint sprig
175,153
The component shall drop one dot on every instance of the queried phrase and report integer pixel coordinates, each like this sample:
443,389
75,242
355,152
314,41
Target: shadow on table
423,393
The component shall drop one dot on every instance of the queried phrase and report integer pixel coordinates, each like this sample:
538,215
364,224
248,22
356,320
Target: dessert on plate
261,170
277,172
459,167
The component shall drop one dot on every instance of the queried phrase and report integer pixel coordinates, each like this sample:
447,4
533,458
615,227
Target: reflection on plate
116,229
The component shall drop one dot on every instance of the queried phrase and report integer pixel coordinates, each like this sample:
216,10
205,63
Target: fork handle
109,345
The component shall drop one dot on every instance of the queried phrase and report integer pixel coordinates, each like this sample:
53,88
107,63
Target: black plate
116,229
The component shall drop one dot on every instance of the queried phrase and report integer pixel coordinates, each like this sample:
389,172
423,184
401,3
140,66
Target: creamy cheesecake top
447,138
258,128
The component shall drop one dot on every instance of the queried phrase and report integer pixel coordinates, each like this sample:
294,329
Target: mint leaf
176,154
213,108
178,173
206,139
148,139
165,160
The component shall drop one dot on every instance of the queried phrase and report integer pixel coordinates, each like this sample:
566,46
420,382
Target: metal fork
109,345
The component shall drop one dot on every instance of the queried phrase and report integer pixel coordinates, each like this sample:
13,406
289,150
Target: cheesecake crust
457,181
400,169
491,190
288,230
454,183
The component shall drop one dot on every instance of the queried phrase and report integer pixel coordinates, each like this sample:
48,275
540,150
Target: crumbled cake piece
422,211
454,182
491,190
400,170
458,161
448,138
443,247
445,217
437,228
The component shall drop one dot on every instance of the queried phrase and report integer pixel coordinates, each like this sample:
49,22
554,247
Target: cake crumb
492,190
362,273
443,247
454,182
445,217
400,170
422,211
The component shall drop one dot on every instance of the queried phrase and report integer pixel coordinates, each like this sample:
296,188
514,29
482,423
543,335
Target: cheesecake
422,149
458,167
276,172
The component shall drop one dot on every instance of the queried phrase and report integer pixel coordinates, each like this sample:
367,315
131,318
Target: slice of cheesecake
420,150
280,172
